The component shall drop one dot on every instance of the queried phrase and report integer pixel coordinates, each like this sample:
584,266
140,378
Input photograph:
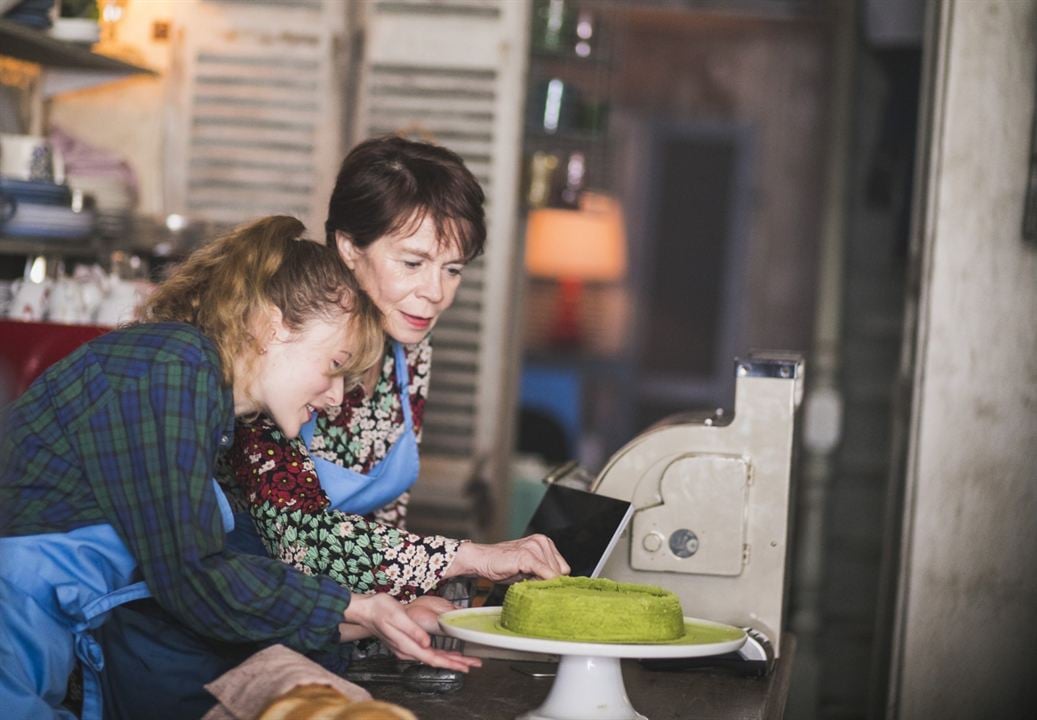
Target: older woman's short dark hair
388,185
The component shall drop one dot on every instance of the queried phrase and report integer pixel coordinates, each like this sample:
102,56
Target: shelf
12,245
567,137
25,43
569,58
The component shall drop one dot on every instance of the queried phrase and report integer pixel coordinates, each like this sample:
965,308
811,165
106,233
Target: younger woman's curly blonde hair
226,287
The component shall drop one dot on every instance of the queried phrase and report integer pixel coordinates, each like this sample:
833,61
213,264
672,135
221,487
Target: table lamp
574,247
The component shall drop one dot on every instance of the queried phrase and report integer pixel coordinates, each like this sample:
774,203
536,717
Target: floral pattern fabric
363,556
274,477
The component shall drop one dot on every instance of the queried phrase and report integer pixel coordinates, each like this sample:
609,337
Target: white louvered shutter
257,124
453,71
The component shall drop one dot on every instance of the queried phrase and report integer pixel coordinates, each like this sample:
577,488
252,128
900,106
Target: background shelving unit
583,126
34,46
574,385
63,67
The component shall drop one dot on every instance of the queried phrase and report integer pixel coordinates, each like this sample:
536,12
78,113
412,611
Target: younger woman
106,464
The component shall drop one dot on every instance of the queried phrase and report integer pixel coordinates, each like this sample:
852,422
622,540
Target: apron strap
403,380
88,650
226,512
105,603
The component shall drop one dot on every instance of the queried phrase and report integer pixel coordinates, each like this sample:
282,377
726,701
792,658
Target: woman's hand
384,617
532,556
425,611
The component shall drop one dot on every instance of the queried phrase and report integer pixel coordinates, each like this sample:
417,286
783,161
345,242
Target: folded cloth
245,691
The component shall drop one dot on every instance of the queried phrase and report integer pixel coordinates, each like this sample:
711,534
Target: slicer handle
758,647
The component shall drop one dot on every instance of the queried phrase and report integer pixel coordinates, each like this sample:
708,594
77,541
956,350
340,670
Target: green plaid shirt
126,431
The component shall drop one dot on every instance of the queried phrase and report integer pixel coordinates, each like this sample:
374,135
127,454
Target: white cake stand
589,684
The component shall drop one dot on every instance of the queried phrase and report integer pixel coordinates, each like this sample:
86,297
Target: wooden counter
496,692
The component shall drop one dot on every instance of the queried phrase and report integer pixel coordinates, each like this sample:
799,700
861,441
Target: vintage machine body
711,504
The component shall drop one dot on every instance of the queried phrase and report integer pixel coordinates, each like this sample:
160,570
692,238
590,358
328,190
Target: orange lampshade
584,244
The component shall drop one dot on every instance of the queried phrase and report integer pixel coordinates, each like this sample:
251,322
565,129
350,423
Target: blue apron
56,588
359,493
348,490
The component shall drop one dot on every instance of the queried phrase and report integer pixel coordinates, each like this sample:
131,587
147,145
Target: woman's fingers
401,626
450,659
434,603
550,554
404,646
544,560
386,618
535,556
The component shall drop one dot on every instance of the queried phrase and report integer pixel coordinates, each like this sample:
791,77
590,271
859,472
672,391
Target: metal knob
652,542
684,543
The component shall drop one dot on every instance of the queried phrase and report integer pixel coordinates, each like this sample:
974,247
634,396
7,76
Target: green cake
592,610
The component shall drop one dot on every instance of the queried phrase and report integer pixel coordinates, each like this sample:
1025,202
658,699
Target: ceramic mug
30,158
29,300
67,304
120,303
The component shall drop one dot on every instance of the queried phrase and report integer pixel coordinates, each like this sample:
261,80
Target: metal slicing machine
711,505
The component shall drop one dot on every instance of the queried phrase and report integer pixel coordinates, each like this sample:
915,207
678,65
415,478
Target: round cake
592,610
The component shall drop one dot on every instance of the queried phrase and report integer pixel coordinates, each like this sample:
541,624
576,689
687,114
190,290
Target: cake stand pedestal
589,684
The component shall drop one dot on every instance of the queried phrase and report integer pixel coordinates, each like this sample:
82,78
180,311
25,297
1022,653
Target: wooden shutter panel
453,72
259,109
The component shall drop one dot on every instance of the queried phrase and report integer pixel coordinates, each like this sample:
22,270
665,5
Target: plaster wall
772,78
967,639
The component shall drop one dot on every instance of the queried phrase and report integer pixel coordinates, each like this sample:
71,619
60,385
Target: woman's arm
362,555
148,451
368,557
297,525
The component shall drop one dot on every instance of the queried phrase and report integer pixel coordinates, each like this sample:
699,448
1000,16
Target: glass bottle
552,22
585,34
575,177
542,168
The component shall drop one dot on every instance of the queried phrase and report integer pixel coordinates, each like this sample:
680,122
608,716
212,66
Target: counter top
497,692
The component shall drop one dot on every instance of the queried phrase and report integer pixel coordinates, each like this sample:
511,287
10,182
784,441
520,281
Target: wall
770,76
759,85
966,643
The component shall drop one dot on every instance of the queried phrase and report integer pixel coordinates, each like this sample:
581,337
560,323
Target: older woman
406,217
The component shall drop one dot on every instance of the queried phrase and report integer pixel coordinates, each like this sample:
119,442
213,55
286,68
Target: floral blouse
276,478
